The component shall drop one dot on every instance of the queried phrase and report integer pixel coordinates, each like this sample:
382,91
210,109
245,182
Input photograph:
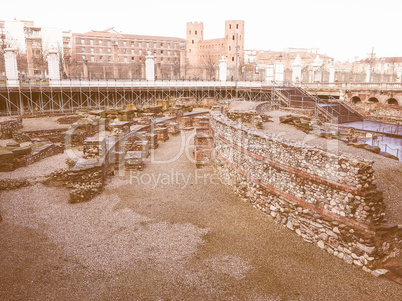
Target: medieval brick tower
195,35
234,36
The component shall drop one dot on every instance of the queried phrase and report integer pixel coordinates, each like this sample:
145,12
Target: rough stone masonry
328,199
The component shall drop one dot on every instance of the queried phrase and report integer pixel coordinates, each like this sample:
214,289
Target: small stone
273,213
348,259
298,232
340,255
336,230
323,236
365,248
366,269
321,244
332,234
358,263
290,225
379,272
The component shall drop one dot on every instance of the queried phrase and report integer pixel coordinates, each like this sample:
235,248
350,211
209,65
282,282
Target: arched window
355,99
392,101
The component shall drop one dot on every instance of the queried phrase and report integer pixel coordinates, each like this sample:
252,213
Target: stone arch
392,101
355,99
373,100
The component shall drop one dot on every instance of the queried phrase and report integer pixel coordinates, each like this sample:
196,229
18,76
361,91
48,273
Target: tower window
189,32
230,26
237,26
192,42
195,33
233,38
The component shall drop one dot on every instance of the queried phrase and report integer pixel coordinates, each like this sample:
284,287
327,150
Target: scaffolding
66,97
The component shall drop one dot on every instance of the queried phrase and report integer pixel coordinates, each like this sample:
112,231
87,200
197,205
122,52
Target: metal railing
386,147
353,86
135,83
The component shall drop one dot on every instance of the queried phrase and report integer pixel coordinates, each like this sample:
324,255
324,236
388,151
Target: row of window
124,59
133,51
101,42
195,32
211,46
230,26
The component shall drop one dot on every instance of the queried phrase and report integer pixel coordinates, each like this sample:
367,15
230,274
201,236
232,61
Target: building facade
204,55
32,44
109,47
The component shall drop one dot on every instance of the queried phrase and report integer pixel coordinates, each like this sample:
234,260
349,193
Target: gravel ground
170,232
388,172
41,123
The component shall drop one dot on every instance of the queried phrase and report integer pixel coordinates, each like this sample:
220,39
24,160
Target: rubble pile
329,200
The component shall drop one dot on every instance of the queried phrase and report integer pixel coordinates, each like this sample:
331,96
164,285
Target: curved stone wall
328,199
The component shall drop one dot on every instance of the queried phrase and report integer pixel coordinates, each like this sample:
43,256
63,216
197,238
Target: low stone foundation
9,126
15,157
86,179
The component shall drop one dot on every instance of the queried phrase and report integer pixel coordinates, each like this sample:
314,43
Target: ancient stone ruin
328,199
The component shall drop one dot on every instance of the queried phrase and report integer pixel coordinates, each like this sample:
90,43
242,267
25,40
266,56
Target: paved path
171,232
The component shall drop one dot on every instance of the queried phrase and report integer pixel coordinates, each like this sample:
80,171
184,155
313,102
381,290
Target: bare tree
210,65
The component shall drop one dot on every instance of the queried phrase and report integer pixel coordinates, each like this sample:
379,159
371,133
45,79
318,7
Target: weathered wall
329,200
9,126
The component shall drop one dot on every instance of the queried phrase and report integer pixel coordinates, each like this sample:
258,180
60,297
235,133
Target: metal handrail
317,108
345,105
386,146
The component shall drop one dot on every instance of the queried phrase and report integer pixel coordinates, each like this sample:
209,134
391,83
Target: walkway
169,232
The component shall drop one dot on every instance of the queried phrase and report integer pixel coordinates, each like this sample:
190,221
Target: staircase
332,109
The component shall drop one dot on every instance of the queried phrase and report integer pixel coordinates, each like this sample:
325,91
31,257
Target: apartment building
32,42
104,46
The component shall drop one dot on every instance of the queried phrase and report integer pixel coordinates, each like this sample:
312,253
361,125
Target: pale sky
343,29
